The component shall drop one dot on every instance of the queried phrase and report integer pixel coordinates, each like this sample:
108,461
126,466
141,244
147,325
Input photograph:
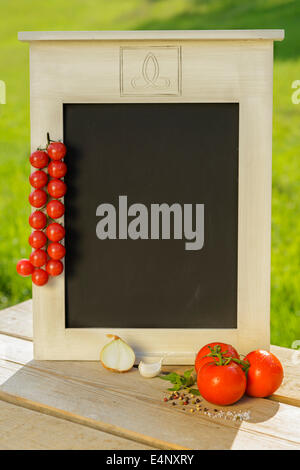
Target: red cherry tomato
37,239
201,359
39,159
265,373
56,250
55,232
38,179
39,277
57,169
54,267
57,188
38,198
24,267
38,258
221,384
55,209
56,150
37,220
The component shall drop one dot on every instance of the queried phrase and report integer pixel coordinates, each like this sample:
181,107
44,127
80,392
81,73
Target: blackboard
183,153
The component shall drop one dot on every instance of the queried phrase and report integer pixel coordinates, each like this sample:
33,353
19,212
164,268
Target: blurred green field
18,15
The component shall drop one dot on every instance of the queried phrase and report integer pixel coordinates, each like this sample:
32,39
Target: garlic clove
149,370
117,355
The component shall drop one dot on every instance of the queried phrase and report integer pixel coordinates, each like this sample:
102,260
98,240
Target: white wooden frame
212,66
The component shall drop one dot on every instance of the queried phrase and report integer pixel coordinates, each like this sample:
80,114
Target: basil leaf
172,377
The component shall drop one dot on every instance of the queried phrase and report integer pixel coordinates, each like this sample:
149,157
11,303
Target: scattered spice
186,397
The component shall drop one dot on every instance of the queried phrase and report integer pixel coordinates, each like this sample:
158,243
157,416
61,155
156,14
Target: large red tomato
226,349
221,384
265,373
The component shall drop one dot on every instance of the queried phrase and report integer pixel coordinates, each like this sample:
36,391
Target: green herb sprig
182,382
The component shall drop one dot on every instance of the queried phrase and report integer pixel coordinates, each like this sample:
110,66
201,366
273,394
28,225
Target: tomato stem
223,360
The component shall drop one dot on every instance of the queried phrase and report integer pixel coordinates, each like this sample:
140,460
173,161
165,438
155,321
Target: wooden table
79,405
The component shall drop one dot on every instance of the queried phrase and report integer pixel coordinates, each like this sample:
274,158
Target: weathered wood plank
289,392
24,429
17,321
134,405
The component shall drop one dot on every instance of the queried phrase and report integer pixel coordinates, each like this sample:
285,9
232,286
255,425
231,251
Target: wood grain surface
128,409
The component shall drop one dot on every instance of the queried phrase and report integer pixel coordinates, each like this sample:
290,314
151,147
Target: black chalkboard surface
174,153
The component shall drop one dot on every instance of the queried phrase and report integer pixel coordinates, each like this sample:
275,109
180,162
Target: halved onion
117,355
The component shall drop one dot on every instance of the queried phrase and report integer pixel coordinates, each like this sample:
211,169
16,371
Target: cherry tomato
24,267
56,150
221,384
38,258
37,239
57,188
265,373
54,267
38,179
57,169
56,250
39,277
55,232
55,209
37,220
201,359
38,198
39,159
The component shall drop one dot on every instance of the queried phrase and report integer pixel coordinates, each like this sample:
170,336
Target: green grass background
19,15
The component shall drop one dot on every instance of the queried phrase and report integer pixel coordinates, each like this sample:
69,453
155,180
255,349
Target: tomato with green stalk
222,380
203,355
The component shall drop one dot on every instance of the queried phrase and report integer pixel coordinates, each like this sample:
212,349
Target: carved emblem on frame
149,71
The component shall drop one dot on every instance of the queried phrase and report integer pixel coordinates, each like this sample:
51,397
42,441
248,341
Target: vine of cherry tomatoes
48,188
